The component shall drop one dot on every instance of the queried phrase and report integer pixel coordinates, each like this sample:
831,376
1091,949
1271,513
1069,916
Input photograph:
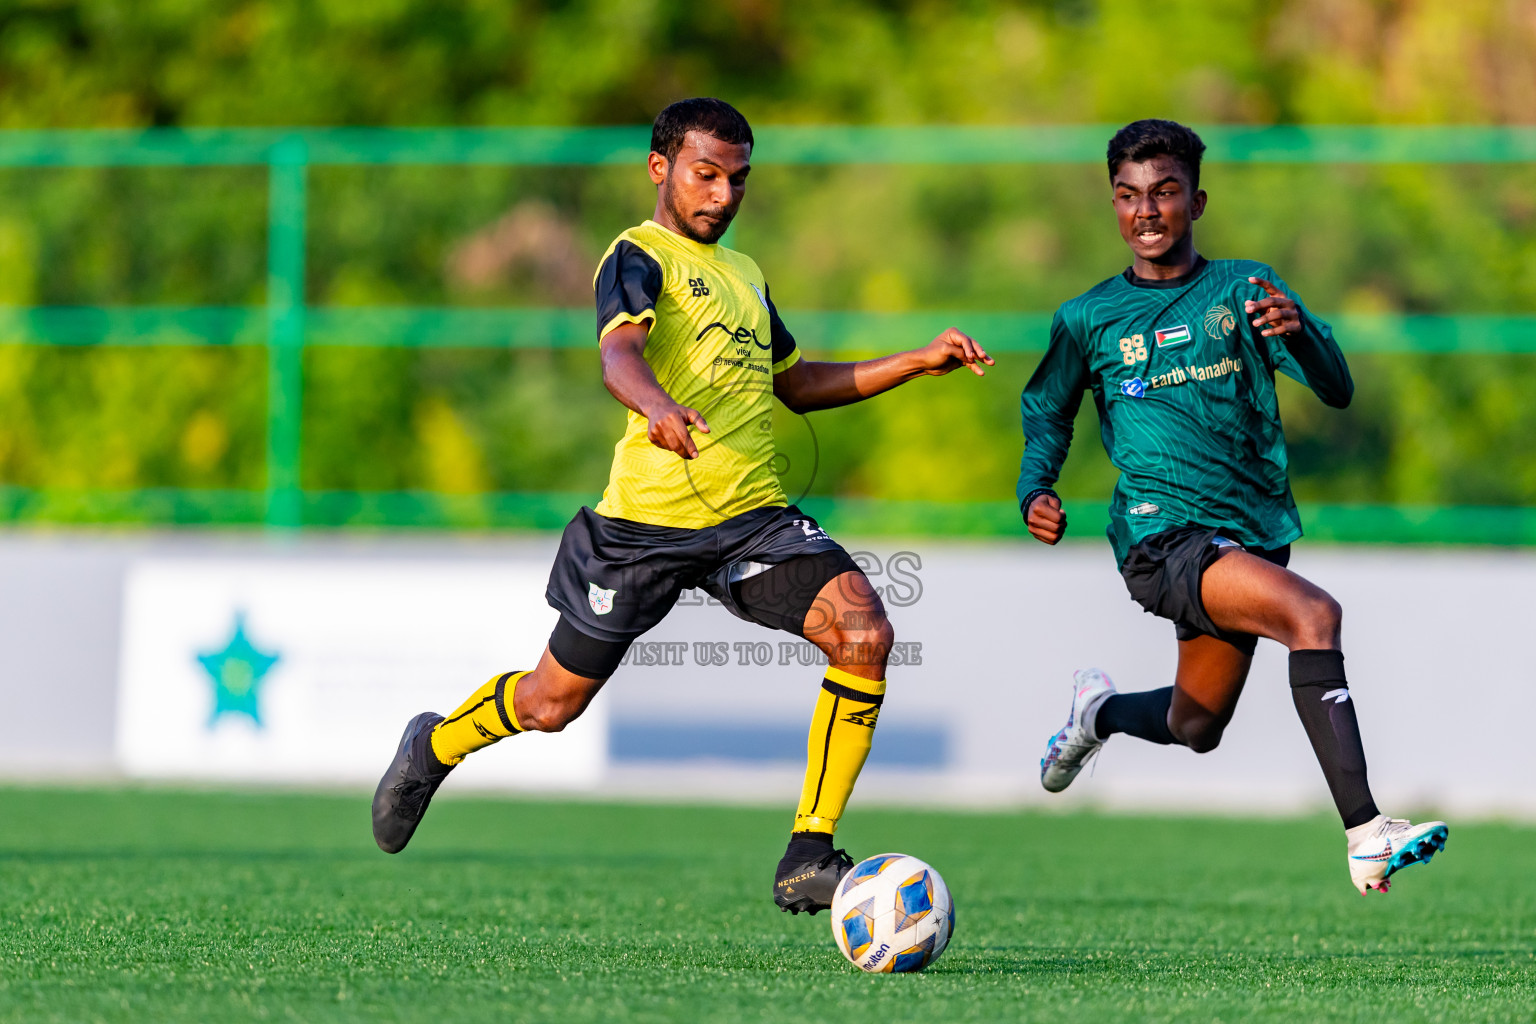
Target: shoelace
414,790
417,786
835,857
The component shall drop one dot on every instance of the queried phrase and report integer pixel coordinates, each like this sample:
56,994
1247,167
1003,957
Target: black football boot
408,785
808,873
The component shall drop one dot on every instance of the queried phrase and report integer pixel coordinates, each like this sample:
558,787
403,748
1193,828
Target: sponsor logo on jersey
1167,337
1184,374
1133,388
1219,321
739,335
1146,508
760,296
601,600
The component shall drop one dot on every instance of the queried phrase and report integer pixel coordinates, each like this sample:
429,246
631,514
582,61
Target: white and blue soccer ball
891,914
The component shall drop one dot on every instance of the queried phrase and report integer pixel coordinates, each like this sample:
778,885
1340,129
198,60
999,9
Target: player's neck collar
1166,282
710,250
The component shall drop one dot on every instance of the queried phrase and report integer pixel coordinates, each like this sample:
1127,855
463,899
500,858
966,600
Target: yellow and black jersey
715,343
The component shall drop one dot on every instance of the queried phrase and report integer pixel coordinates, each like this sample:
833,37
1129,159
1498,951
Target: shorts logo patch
810,529
1146,508
1133,388
601,600
1338,696
1167,337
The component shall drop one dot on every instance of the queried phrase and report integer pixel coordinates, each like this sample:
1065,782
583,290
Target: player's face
702,187
1156,207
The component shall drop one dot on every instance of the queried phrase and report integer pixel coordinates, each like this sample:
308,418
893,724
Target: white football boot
1076,744
1383,846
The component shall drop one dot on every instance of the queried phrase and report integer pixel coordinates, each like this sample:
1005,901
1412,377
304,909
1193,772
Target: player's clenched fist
1045,519
668,428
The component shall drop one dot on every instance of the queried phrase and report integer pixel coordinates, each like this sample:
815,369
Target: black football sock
808,845
1143,715
804,847
1328,714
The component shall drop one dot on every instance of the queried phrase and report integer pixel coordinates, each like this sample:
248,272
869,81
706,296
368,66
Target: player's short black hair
701,114
1143,140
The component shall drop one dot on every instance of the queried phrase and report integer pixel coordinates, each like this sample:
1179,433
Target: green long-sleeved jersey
1185,392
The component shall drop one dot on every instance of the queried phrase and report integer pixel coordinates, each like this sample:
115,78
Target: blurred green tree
1424,429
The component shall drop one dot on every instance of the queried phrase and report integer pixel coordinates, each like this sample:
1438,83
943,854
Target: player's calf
551,709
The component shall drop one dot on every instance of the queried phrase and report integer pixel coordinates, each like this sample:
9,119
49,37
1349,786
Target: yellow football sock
841,731
486,717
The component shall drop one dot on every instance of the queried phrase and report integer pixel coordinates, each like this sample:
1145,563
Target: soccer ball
891,914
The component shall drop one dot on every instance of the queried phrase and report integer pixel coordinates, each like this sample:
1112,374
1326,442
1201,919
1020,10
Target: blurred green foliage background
1424,430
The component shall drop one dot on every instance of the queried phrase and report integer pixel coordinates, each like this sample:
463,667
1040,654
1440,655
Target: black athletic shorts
1163,575
613,579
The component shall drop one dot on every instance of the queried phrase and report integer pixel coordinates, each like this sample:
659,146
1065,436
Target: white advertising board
307,671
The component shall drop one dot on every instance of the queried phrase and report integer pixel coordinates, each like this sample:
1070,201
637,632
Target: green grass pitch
164,905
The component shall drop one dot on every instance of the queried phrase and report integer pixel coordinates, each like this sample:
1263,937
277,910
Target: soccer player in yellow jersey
692,345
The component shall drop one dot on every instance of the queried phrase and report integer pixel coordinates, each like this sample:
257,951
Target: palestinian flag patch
1167,337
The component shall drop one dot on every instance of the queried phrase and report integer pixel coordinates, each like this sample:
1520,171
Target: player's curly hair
701,114
1143,140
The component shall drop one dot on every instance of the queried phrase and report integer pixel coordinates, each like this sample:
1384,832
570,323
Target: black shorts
1163,575
613,579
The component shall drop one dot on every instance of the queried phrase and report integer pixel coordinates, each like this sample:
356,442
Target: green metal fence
287,323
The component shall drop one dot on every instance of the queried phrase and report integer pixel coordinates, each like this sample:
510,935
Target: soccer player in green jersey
693,346
1180,354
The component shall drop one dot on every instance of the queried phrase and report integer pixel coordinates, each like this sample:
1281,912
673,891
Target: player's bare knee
1202,734
884,633
1320,622
860,639
1203,741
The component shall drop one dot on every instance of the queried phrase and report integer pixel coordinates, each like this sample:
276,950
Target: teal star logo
236,673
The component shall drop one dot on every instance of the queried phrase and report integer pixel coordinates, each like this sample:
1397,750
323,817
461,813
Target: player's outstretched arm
806,386
630,379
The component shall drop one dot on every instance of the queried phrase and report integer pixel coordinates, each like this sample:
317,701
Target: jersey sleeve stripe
787,361
625,318
627,287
